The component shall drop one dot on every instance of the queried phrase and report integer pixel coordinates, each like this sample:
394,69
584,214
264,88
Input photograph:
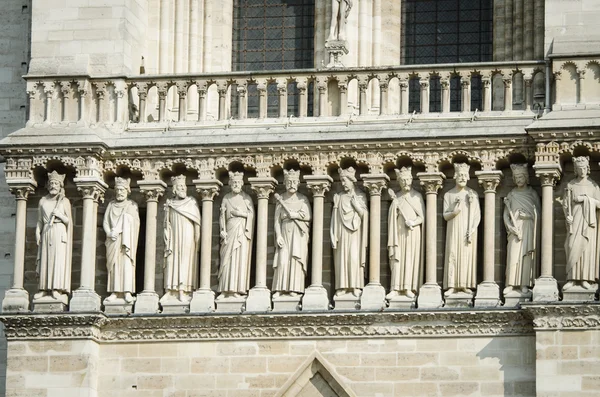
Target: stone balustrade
408,90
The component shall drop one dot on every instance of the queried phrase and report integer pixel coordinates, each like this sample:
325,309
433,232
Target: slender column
16,298
546,288
65,90
315,297
486,82
162,96
507,92
147,300
49,91
222,91
424,83
373,296
302,97
201,103
259,297
383,97
142,107
403,96
430,293
242,90
282,93
182,92
465,84
262,99
528,80
445,84
203,300
362,89
100,96
343,88
85,298
83,94
322,89
488,292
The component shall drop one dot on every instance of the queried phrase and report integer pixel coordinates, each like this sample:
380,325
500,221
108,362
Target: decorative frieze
563,316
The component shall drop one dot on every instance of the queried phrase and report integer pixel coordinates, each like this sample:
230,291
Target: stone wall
568,25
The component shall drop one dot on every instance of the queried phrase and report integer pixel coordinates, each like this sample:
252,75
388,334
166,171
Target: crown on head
348,173
581,161
461,168
236,176
55,176
122,182
404,171
179,179
519,169
291,175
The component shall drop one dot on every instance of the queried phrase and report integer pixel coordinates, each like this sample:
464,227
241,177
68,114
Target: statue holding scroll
522,220
349,235
54,237
461,211
405,237
236,223
581,201
182,243
292,226
122,226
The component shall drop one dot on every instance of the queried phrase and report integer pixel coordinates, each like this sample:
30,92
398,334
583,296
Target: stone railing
146,100
576,82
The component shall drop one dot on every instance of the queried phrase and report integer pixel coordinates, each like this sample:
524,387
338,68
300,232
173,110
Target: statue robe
122,217
582,246
522,255
182,221
460,264
349,231
405,246
236,249
290,261
56,244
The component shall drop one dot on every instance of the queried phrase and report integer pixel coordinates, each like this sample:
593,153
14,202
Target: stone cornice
563,316
240,327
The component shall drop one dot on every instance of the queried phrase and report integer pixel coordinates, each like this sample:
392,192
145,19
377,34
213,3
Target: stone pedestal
203,301
118,306
49,304
516,297
146,303
16,300
85,300
175,306
402,302
287,303
346,302
315,299
336,49
373,297
259,300
430,296
459,299
230,304
577,293
488,295
545,290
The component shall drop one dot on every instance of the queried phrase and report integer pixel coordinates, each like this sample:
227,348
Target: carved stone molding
153,190
374,183
431,181
216,327
208,189
91,188
489,180
563,316
318,184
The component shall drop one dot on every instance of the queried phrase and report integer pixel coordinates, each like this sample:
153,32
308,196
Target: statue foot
111,298
39,295
468,291
294,294
339,292
410,294
392,294
128,297
55,294
568,285
276,295
449,292
586,285
508,290
525,290
355,292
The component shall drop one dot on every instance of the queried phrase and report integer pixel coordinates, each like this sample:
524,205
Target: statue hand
223,235
579,199
391,193
569,220
409,223
280,242
523,215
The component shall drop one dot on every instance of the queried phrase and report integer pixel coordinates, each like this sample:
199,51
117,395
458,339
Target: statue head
122,188
348,178
236,181
291,179
461,174
581,165
404,177
520,174
179,186
56,183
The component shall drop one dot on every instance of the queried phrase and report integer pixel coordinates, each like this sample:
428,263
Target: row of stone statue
349,237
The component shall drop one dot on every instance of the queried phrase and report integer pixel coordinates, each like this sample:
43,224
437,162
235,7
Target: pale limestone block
336,346
459,388
68,363
260,381
25,393
575,338
373,389
27,364
344,359
95,12
237,349
545,338
249,365
157,350
439,373
16,381
120,350
154,382
399,345
437,345
52,380
109,366
459,358
197,349
140,365
228,381
416,389
396,374
179,365
378,360
591,383
357,374
273,348
490,389
217,365
559,383
196,381
546,368
572,352
363,346
482,373
578,367
284,364
246,393
42,347
417,359
301,348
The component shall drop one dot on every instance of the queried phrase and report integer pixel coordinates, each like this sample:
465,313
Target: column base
203,301
373,297
430,296
578,293
315,299
402,302
545,290
49,304
459,299
259,300
346,301
172,305
118,306
488,295
85,300
287,303
146,303
516,297
230,304
16,300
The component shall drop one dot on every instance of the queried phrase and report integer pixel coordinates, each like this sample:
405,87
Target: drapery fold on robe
522,255
460,263
350,232
291,260
583,245
405,246
122,218
182,220
56,244
236,249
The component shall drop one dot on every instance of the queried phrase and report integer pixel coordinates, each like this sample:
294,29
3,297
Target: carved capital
263,187
208,189
489,180
152,189
182,89
547,177
431,181
374,183
91,188
486,82
318,184
22,191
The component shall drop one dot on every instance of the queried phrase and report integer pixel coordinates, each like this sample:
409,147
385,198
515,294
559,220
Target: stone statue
54,237
340,9
122,226
349,235
405,237
461,211
182,243
522,220
292,221
580,203
236,223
